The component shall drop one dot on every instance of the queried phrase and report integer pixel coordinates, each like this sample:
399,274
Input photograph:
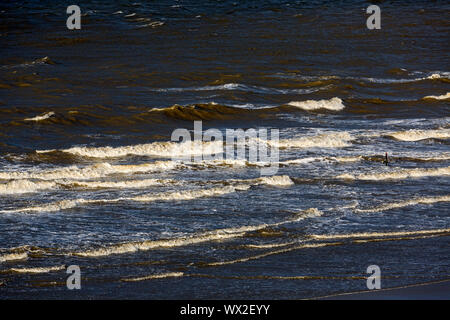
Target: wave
90,172
400,174
193,148
37,269
406,203
155,276
127,184
153,24
263,255
214,235
416,135
378,234
326,140
433,76
40,61
163,196
237,87
334,104
274,180
41,117
442,97
51,207
25,186
13,256
420,234
165,149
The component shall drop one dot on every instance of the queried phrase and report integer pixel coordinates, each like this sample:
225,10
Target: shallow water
89,176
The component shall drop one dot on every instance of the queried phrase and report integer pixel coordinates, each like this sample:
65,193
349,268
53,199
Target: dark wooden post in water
386,161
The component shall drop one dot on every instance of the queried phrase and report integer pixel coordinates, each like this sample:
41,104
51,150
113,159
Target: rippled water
89,176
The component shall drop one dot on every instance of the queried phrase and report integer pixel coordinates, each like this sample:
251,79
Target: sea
91,177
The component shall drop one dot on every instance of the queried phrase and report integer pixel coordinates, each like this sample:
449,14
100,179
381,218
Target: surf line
209,145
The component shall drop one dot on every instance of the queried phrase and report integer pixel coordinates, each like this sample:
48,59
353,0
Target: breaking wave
433,76
174,196
155,276
25,186
441,97
400,174
416,135
374,237
90,172
326,140
378,234
238,87
41,117
165,149
334,104
406,203
220,234
13,256
37,269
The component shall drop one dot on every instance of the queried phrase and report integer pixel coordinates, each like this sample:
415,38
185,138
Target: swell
405,203
118,176
164,196
105,117
219,234
13,256
433,76
99,170
399,174
238,87
387,236
417,135
230,186
35,270
165,149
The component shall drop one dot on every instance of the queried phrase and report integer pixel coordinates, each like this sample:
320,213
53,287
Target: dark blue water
89,175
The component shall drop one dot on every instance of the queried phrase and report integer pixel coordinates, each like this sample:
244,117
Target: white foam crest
41,117
165,149
163,196
399,174
155,276
275,181
214,235
238,87
280,251
188,194
326,140
132,184
380,80
333,104
37,269
13,256
377,234
441,97
416,135
51,207
406,203
314,159
25,186
90,172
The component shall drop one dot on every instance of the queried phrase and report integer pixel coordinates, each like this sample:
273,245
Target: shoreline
436,290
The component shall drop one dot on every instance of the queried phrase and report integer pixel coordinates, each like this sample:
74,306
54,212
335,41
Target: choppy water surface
89,176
